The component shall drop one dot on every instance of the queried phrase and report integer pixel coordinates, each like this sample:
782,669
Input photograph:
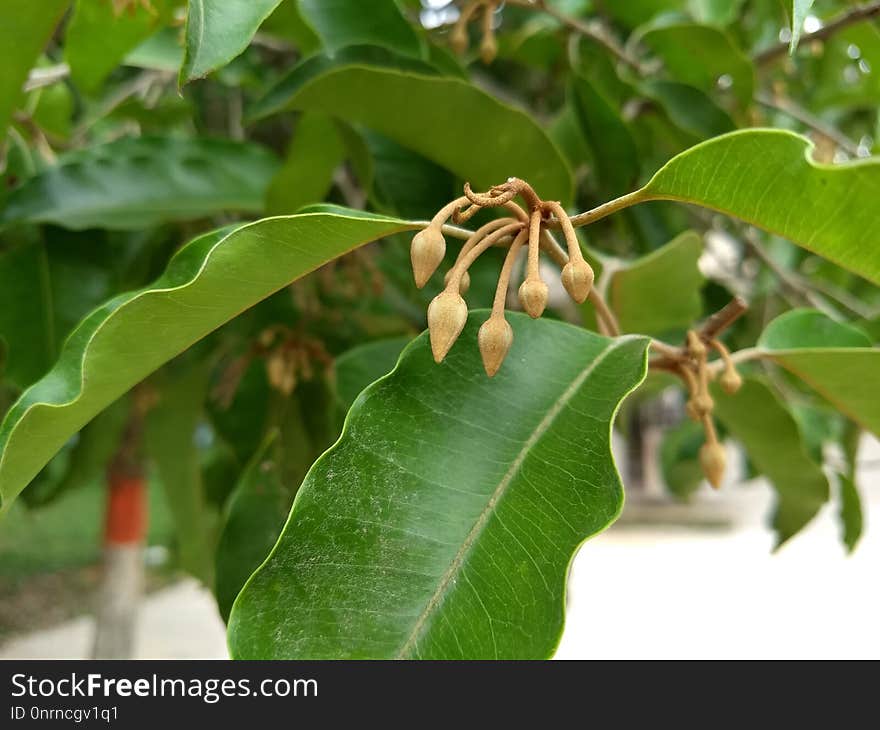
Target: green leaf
614,149
431,115
660,292
170,441
257,510
25,28
678,44
98,37
207,283
836,360
364,364
680,458
767,177
306,176
342,23
137,183
690,109
771,437
799,10
26,316
850,513
219,30
451,500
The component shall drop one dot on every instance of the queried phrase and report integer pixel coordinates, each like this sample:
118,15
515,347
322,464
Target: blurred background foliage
123,137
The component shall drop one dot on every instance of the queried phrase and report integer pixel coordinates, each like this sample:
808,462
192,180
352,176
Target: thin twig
606,209
594,31
844,20
788,107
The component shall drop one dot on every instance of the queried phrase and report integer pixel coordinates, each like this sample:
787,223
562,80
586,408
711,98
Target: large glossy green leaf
660,292
219,30
771,437
207,283
136,183
342,23
442,523
428,114
836,360
768,178
25,28
98,37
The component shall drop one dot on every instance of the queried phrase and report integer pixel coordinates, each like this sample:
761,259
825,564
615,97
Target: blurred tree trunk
125,529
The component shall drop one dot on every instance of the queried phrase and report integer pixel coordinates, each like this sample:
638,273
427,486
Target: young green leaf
219,30
835,359
207,283
25,28
770,435
120,32
850,514
135,183
767,177
660,292
799,10
429,114
462,505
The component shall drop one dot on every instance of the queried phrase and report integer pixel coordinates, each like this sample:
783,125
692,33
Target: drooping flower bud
458,39
533,296
730,380
713,461
488,48
464,283
577,278
447,314
494,338
427,251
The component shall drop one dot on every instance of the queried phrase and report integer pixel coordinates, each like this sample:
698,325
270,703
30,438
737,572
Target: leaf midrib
458,560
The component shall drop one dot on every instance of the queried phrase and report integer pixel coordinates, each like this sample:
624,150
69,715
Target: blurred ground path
637,591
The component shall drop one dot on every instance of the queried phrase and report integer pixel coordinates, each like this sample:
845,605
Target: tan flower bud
458,39
702,404
447,314
488,48
463,285
494,338
427,251
713,460
577,278
730,380
533,295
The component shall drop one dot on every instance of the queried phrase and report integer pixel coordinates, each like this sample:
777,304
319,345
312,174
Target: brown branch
844,20
722,319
